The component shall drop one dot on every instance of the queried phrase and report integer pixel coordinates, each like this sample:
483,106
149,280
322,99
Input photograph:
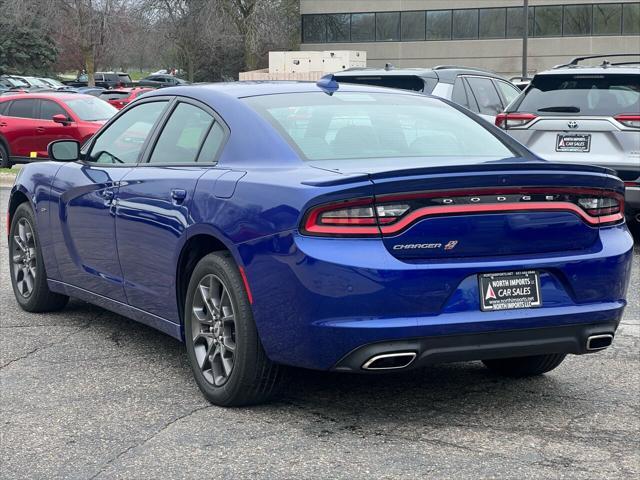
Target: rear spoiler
494,166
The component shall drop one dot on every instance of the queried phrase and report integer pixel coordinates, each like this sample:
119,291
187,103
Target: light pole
525,37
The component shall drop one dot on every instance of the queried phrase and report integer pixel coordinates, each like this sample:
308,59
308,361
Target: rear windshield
582,95
114,95
91,109
350,125
403,82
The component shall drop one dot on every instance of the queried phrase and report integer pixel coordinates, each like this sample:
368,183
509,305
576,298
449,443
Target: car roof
444,73
49,95
590,70
258,88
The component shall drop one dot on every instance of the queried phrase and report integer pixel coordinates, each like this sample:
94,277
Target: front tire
223,347
525,366
28,274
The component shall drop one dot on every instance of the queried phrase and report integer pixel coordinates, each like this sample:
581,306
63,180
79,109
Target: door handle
40,129
178,195
107,195
3,124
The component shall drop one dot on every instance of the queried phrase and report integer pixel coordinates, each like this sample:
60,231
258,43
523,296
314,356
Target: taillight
632,183
391,214
513,120
629,120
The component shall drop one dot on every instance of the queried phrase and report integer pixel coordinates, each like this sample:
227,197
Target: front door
154,203
86,248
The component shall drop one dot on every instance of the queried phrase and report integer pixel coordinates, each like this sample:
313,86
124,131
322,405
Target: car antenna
328,84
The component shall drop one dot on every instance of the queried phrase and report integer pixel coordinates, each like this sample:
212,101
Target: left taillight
629,120
513,120
348,218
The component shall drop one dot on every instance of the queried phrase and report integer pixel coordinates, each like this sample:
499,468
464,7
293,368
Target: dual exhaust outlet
399,360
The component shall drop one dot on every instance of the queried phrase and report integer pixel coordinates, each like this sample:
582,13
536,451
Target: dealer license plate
509,290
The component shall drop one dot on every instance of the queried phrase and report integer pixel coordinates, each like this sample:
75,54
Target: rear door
153,204
580,118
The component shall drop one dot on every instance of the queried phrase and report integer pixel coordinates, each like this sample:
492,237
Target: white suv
584,114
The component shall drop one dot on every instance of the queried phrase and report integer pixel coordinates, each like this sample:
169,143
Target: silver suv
584,114
484,93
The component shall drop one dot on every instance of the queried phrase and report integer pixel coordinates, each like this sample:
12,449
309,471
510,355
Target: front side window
48,109
123,140
362,125
182,135
23,108
91,109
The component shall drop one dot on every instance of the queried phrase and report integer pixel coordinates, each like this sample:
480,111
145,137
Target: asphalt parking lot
85,393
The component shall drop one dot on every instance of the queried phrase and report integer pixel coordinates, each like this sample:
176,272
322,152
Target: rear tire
4,157
222,342
525,366
26,266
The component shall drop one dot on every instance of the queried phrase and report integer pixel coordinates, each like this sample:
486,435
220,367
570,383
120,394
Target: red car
121,97
30,121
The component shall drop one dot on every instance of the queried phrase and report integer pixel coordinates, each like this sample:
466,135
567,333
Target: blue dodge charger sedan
325,226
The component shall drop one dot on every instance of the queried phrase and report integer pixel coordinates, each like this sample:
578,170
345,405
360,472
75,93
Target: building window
314,29
439,25
515,26
577,20
363,27
465,24
388,26
493,22
486,23
413,25
338,27
548,21
631,19
607,19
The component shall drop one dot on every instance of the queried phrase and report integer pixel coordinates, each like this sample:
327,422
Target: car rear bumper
318,299
417,352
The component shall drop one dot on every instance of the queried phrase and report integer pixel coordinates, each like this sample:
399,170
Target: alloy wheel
24,258
213,330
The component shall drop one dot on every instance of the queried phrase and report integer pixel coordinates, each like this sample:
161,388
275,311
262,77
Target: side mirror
60,118
64,150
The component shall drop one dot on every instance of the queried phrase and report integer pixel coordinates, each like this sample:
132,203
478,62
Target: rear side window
23,108
582,94
509,92
3,107
182,135
486,95
48,109
362,125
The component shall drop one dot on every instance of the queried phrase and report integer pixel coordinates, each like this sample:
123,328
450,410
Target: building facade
474,33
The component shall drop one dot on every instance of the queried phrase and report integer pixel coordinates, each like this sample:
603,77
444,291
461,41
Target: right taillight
629,120
513,120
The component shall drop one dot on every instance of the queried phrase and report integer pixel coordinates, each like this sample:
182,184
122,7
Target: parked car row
571,113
